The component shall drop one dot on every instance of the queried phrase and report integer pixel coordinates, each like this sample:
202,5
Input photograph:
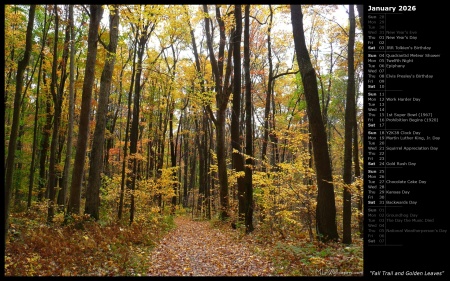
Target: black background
426,252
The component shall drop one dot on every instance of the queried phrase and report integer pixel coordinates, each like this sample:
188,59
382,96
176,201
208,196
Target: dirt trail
194,248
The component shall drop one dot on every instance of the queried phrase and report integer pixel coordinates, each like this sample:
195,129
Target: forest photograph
183,140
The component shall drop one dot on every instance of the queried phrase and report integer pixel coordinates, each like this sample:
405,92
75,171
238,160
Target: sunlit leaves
82,247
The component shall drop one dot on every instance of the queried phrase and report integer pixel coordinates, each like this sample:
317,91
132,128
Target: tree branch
285,73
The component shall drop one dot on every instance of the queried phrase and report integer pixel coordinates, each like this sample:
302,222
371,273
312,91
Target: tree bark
268,94
96,12
222,165
52,177
111,126
134,131
326,208
45,143
222,96
237,160
248,179
185,170
349,119
173,156
92,206
62,196
21,66
127,129
33,153
199,138
57,137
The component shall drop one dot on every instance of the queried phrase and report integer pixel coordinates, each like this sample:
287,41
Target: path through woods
195,248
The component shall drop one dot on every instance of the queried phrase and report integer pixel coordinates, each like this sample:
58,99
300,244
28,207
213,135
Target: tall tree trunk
326,208
222,165
186,170
222,97
57,102
19,151
92,206
248,126
96,12
159,155
45,143
134,131
201,165
62,196
173,156
21,66
237,160
275,159
52,172
201,142
193,165
179,147
33,153
349,119
209,161
269,93
127,129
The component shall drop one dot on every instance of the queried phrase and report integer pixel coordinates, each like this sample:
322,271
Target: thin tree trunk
268,94
222,96
57,93
248,126
19,163
45,144
186,170
127,129
62,196
52,176
201,165
179,147
134,131
209,159
173,157
36,114
111,126
193,161
275,159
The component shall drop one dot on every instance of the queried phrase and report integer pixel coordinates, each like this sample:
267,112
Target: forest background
126,116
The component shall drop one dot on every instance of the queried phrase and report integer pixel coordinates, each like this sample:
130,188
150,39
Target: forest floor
195,248
168,246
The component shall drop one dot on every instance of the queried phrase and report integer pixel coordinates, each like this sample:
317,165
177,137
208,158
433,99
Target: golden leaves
81,247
